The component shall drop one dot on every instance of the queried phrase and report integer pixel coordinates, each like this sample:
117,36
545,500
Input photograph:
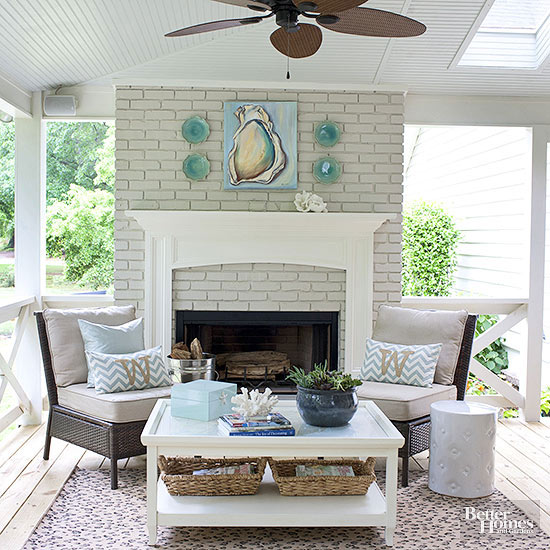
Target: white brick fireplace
188,239
198,234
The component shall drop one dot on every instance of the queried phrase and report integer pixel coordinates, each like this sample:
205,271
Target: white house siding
481,175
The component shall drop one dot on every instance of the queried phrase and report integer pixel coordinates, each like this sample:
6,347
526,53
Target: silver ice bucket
187,370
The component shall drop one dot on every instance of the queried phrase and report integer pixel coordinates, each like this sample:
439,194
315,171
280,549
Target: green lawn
55,278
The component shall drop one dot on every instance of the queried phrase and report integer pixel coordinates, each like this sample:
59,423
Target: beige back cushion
65,340
399,325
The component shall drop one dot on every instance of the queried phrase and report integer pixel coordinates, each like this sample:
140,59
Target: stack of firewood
253,365
181,351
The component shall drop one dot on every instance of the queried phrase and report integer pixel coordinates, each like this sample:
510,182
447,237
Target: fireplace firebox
256,348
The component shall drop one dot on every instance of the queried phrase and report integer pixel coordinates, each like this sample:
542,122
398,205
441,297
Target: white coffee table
369,433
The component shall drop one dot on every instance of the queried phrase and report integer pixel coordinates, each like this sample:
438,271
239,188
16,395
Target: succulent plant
320,378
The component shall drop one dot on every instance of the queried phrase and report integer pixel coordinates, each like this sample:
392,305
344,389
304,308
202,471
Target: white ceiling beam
387,52
255,84
14,100
438,110
383,63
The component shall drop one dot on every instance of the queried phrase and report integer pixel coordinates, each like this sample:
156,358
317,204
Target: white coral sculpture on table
254,404
308,202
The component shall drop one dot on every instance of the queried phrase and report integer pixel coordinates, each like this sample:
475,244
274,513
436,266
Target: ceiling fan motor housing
288,19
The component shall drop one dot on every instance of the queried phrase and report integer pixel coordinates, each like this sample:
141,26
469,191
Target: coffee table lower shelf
268,508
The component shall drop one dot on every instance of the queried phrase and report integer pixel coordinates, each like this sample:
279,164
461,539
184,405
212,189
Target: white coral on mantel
254,404
309,202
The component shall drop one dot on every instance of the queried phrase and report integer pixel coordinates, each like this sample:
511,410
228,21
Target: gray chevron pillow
128,371
399,364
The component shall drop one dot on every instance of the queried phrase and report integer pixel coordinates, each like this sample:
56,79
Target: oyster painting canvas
260,145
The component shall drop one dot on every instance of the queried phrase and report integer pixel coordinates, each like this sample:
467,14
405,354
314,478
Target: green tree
105,165
430,240
7,181
80,153
81,230
73,149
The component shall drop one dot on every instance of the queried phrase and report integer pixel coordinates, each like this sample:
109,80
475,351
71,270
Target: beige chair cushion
65,339
399,325
402,403
127,406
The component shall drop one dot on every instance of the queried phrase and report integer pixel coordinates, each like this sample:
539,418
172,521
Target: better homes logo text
497,521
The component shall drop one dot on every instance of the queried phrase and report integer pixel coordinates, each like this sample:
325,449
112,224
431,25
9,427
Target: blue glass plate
195,129
327,134
327,170
196,167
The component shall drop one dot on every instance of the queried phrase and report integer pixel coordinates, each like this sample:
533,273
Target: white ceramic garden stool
462,449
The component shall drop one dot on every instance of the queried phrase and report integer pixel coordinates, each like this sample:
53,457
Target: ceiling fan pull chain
288,51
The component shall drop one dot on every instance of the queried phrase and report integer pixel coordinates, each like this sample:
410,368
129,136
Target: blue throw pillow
399,364
128,371
125,338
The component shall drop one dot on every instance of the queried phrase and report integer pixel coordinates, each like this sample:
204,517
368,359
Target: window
513,35
80,178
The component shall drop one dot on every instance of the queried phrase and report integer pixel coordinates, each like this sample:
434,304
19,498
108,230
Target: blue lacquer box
202,399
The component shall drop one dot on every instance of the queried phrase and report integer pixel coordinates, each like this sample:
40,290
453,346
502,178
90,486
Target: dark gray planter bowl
326,408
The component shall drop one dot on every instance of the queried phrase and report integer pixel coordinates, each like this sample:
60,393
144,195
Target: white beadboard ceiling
47,43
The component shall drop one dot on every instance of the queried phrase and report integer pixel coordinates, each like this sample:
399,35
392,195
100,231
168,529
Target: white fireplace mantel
180,239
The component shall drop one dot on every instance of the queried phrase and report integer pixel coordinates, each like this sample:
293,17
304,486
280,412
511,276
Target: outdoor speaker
60,105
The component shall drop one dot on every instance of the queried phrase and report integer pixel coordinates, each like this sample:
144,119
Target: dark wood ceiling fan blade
371,22
303,43
213,26
328,6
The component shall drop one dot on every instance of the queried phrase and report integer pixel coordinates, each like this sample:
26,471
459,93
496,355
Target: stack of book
273,425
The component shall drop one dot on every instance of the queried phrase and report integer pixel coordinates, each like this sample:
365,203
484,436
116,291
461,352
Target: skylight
516,16
515,34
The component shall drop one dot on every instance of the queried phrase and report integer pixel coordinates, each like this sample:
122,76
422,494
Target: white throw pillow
400,325
114,373
397,364
126,338
65,341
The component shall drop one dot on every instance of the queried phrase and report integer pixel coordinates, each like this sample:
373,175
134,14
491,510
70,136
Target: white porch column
531,385
30,244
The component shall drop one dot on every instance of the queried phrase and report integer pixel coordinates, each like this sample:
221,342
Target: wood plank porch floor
29,485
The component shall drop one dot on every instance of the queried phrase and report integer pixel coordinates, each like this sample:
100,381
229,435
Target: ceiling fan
296,39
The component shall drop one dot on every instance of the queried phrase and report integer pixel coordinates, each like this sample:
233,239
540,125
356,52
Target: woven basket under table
284,474
177,474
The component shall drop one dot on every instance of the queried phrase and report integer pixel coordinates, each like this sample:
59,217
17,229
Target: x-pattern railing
511,312
19,309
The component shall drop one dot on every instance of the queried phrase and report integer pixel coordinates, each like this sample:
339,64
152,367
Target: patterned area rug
88,515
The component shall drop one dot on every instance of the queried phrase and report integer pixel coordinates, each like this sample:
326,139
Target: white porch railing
512,311
77,300
21,309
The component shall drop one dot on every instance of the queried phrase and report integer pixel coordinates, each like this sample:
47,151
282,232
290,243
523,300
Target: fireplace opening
256,349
